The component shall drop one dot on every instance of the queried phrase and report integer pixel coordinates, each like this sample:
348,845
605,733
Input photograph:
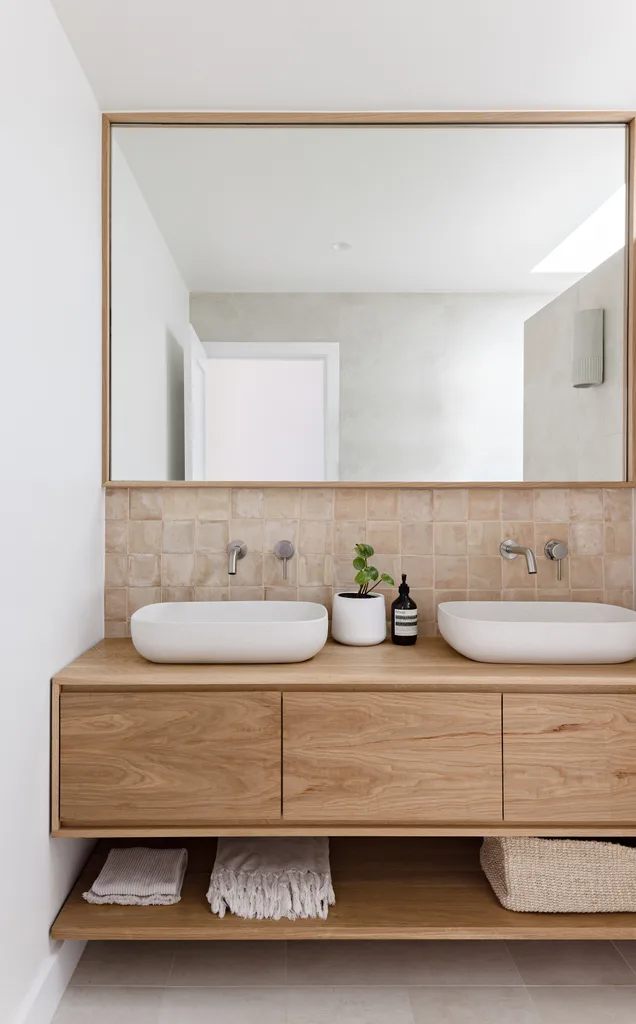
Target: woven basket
560,876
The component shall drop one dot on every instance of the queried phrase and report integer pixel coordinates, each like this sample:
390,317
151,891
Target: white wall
358,55
575,433
149,330
426,380
51,513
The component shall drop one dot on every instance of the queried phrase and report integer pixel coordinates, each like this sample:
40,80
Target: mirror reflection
425,304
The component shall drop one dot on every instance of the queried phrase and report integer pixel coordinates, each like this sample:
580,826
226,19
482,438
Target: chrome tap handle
556,551
284,550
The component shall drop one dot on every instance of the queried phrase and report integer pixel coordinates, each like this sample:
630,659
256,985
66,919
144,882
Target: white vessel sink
548,633
233,632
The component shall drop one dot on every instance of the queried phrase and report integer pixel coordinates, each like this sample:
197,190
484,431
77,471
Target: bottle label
405,621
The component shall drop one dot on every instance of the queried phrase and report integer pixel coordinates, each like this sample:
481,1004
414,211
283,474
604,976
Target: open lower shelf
386,888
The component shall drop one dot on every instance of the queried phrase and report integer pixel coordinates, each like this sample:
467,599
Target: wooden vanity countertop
429,665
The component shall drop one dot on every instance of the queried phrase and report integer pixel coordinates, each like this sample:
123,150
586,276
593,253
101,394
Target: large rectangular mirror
424,303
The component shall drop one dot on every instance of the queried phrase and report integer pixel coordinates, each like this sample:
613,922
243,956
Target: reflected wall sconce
587,355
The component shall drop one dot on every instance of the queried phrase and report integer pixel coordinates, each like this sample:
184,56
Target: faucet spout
510,549
531,561
236,549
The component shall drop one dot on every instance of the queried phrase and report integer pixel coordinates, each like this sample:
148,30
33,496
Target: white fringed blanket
272,878
139,876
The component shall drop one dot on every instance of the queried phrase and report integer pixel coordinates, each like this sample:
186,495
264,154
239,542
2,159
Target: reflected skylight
594,241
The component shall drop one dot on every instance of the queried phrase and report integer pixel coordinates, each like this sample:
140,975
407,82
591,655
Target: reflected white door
271,412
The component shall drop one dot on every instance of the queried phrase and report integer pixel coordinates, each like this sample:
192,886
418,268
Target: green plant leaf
373,572
359,563
365,550
363,577
387,579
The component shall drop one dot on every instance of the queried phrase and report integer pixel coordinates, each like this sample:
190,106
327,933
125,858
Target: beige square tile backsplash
169,544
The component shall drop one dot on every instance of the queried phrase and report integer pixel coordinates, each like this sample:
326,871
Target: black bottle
404,617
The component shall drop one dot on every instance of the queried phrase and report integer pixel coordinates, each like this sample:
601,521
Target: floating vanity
395,746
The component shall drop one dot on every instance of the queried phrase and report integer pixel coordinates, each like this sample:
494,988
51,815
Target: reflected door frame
194,360
328,352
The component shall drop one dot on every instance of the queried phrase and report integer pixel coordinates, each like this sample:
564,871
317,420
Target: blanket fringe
258,895
156,900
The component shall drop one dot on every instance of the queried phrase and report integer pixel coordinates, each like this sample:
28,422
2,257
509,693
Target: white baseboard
49,985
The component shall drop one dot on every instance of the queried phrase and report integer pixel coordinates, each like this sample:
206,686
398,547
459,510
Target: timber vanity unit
405,756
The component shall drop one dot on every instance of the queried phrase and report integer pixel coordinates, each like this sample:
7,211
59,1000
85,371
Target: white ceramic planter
359,621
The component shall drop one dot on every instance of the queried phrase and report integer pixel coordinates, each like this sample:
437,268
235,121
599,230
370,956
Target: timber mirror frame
271,119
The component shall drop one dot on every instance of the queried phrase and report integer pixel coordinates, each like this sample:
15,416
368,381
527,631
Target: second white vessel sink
233,632
543,633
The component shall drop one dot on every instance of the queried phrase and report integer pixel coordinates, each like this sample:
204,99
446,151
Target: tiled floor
353,983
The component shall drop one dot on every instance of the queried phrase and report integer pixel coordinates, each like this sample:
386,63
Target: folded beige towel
139,876
272,878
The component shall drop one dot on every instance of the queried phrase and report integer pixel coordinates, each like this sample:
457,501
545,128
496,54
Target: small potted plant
359,618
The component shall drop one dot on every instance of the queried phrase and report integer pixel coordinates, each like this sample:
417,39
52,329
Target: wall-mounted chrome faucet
556,551
510,549
284,550
236,549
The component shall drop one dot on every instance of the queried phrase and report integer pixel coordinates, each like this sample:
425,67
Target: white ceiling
355,54
461,209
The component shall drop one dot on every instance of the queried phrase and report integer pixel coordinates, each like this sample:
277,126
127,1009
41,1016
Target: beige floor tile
110,1006
473,1006
348,1006
125,963
585,1004
246,964
400,963
222,1006
570,963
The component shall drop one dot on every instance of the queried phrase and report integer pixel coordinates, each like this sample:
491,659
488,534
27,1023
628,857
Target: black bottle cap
404,587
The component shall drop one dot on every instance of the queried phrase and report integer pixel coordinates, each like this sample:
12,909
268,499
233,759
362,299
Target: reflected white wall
575,433
149,330
431,385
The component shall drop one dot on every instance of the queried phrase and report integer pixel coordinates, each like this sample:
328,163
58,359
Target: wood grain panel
430,665
589,829
395,117
570,758
55,758
383,758
629,374
106,268
169,759
352,485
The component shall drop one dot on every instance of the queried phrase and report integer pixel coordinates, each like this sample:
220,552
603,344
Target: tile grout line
359,984
624,958
171,969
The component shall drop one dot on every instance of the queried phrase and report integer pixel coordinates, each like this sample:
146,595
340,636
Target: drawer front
392,758
570,758
169,759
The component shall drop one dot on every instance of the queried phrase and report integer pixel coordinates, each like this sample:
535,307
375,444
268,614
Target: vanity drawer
570,758
381,758
169,759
